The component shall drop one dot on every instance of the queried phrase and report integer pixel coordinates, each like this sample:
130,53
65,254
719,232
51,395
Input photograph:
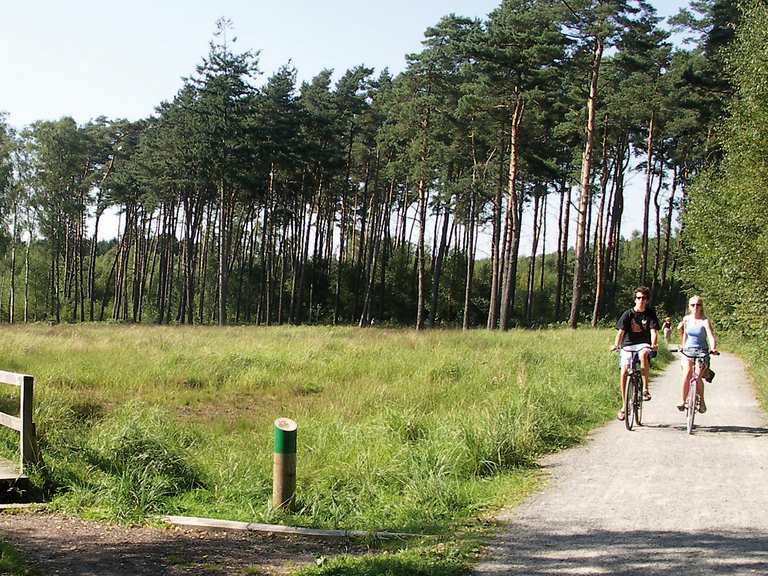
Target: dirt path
54,544
654,501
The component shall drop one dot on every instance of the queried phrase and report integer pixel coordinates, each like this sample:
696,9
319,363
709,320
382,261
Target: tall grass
755,356
397,430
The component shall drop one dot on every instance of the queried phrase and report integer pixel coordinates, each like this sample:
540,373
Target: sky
88,58
84,58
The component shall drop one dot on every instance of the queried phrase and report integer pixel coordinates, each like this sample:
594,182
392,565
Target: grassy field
398,431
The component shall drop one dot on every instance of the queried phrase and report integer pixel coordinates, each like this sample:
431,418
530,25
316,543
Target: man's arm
617,341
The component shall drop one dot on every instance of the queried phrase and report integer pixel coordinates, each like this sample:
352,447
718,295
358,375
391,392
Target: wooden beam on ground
215,524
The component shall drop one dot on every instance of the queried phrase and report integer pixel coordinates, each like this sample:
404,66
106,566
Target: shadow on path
750,431
735,430
631,552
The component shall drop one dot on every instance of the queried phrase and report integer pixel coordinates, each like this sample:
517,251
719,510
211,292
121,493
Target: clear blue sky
85,58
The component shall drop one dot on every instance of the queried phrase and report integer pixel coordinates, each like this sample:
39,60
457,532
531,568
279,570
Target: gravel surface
654,501
55,544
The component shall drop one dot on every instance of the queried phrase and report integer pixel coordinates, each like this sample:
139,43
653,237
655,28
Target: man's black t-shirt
637,326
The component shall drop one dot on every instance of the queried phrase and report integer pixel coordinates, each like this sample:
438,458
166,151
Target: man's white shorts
626,353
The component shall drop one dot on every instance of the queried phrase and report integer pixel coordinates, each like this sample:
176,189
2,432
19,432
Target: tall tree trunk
543,241
511,227
81,267
531,281
621,163
302,266
422,217
647,198
12,295
586,165
668,229
493,300
437,269
420,255
223,260
26,272
563,223
657,219
599,237
471,247
210,219
379,225
283,257
92,263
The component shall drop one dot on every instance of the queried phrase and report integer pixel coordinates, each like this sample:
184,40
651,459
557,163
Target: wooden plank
11,378
9,470
20,505
12,422
213,523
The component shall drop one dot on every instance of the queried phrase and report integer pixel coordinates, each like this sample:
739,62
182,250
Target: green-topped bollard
284,464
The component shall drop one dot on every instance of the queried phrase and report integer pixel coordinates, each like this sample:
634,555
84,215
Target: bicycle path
654,501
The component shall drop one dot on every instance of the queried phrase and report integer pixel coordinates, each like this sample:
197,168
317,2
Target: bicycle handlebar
699,354
635,347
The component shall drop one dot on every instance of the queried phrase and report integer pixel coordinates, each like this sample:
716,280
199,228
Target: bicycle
633,388
693,398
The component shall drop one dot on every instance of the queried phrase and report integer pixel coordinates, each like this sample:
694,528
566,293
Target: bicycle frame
693,397
633,390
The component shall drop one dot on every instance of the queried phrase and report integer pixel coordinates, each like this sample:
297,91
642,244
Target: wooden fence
23,422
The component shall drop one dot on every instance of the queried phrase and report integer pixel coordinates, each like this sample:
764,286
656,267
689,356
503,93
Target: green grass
754,354
398,430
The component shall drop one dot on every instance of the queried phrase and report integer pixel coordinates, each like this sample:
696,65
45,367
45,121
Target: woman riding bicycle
696,336
636,328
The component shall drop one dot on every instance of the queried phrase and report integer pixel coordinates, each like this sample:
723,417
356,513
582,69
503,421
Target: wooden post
27,427
284,464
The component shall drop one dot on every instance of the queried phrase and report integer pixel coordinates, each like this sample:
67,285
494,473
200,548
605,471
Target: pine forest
418,199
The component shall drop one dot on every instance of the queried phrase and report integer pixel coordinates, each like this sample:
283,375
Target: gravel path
654,501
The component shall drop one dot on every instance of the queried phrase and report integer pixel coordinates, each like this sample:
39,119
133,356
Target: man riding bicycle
637,331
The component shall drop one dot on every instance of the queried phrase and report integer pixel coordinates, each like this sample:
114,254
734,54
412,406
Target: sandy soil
56,544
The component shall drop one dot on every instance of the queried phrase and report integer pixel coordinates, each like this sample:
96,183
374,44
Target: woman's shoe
681,407
620,415
702,407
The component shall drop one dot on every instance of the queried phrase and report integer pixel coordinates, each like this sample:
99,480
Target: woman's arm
710,335
681,331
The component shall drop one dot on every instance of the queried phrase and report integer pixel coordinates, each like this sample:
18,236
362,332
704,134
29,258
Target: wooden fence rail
23,422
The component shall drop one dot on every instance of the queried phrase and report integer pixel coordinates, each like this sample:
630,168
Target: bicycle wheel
629,402
690,411
639,400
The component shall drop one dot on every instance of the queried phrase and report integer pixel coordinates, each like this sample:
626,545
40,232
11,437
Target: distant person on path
696,335
666,328
636,328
